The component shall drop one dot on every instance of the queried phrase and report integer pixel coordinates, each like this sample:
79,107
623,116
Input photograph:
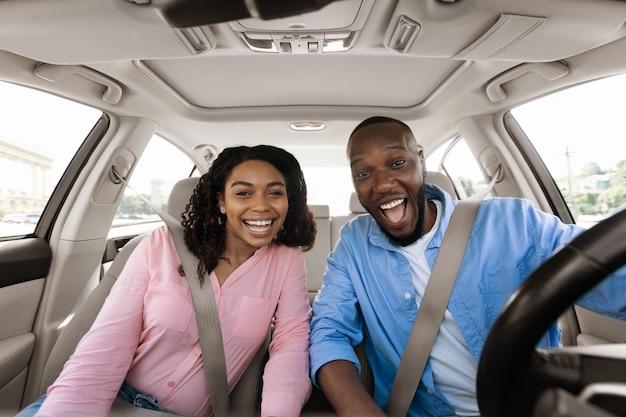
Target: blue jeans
126,393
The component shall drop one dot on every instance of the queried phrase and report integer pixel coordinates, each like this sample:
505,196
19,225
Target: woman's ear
220,203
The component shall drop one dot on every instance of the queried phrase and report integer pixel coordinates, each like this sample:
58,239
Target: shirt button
196,353
407,295
171,384
429,391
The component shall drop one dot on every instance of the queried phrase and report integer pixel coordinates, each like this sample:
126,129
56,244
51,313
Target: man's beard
419,227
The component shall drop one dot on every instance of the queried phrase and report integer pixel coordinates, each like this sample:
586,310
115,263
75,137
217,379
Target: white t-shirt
454,367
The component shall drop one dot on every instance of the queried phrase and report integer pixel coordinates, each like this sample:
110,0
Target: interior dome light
308,126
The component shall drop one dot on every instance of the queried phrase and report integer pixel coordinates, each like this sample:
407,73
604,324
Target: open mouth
394,211
258,226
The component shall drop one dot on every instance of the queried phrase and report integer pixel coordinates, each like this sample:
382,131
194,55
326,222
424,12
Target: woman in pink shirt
247,222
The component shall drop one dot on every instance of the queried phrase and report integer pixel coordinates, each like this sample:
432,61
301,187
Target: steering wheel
514,378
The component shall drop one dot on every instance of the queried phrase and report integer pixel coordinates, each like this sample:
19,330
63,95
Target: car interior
154,89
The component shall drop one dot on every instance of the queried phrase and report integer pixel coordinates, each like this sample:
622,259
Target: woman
247,222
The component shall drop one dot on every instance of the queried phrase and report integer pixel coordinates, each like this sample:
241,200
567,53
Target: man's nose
383,182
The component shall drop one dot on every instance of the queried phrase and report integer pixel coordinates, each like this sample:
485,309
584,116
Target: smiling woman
246,222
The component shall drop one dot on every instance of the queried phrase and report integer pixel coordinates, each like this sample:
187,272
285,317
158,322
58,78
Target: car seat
89,309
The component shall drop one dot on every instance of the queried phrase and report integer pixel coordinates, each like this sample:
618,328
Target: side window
579,134
455,159
39,135
158,169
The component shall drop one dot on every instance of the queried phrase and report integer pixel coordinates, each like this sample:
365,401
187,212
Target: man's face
388,176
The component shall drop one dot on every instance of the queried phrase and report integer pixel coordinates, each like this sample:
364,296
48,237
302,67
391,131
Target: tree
591,168
586,203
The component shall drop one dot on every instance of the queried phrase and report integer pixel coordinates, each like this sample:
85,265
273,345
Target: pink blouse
146,334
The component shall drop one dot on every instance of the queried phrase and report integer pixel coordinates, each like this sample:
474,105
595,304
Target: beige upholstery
180,196
316,257
443,181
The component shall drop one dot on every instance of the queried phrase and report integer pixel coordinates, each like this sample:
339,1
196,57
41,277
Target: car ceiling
197,81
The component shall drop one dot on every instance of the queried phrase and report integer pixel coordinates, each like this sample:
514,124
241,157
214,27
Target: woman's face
255,203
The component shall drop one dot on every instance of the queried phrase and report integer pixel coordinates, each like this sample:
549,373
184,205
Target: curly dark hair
205,225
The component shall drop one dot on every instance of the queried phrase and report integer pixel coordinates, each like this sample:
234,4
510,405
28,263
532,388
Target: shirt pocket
498,285
168,305
254,318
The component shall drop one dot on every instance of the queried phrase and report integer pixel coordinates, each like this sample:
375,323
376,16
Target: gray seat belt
209,329
434,302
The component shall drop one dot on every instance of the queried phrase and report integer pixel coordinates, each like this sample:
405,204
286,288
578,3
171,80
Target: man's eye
398,163
361,175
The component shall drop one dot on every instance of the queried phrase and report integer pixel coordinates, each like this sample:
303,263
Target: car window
579,134
455,159
330,186
161,165
39,135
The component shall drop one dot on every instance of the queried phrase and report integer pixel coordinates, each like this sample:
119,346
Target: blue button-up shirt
368,292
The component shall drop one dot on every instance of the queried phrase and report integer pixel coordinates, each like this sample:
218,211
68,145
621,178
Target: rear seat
355,208
316,257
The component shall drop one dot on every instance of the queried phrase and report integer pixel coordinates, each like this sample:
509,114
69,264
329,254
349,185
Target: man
377,274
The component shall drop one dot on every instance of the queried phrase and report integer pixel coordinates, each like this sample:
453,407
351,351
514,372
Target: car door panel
18,307
23,260
598,329
24,264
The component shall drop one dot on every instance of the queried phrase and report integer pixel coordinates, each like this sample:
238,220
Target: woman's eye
242,193
276,193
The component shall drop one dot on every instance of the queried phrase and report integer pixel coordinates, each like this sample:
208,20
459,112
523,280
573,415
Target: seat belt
434,302
209,329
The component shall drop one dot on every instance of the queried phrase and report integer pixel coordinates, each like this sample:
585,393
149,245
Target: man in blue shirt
381,264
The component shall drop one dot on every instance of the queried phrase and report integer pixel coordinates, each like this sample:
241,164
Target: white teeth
258,226
259,223
392,204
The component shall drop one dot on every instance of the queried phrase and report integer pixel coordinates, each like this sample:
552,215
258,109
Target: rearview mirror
186,13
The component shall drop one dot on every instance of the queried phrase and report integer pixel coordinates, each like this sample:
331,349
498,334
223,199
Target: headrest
443,181
319,210
180,196
355,204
